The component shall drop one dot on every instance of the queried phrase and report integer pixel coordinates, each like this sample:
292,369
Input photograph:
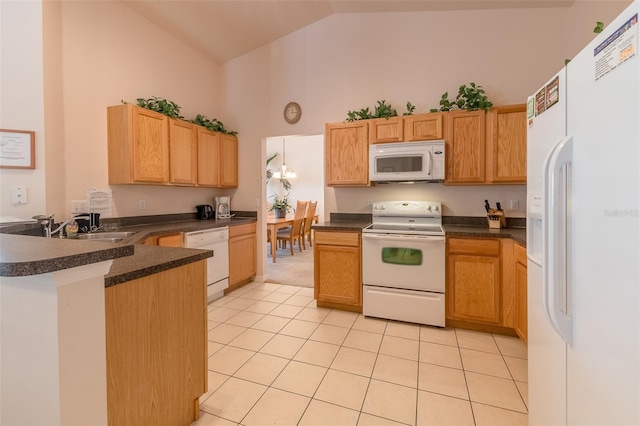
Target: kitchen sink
112,237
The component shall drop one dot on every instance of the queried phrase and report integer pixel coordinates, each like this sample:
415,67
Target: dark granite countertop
22,255
453,227
147,260
27,255
519,235
341,225
142,232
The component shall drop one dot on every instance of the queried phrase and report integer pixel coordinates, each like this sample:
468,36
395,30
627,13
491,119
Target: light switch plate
19,195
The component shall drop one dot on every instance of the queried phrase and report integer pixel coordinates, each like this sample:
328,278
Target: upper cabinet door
138,145
384,130
423,127
183,152
228,160
217,159
507,144
208,157
346,154
465,147
150,146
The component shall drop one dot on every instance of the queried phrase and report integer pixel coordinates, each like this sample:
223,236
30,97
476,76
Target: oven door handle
403,238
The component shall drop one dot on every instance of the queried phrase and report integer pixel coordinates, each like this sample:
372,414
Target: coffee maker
223,208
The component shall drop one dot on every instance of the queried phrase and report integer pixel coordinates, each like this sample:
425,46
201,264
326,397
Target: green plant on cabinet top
382,110
172,110
471,98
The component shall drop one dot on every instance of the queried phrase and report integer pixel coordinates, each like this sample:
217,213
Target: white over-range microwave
407,162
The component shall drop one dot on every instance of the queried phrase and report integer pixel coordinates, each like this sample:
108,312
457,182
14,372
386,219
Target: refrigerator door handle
529,232
555,238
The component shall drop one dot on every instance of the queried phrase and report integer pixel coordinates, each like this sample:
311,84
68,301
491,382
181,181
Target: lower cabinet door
338,276
474,288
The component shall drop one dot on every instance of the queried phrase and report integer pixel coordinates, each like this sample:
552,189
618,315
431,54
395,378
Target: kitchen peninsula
83,342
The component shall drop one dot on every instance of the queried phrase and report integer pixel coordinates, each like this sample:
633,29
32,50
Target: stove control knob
435,208
429,208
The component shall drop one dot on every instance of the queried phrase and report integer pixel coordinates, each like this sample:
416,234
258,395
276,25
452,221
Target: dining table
273,224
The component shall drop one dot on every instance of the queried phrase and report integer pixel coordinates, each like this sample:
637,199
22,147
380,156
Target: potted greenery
280,205
471,98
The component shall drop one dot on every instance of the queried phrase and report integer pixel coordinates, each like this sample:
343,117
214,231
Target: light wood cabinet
507,144
138,145
465,147
183,152
385,130
175,240
217,159
242,255
486,148
228,161
474,283
337,270
346,154
423,127
156,339
146,147
521,292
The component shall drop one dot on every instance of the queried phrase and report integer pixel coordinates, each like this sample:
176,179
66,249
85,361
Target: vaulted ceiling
226,29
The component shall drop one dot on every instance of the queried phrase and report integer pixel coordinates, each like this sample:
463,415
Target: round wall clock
292,112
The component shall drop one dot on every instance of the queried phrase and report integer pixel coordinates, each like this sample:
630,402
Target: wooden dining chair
293,233
306,227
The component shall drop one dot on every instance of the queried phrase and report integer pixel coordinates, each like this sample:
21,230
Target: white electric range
403,262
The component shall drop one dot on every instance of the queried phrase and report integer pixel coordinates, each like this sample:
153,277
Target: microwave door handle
429,163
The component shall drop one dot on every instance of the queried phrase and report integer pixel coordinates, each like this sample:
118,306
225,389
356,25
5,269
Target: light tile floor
276,359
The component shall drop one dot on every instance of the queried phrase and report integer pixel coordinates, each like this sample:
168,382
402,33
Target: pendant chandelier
283,172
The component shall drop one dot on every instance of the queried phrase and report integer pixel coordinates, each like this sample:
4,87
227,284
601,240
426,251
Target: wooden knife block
496,219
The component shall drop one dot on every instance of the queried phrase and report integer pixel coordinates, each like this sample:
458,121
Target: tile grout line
511,374
289,360
466,382
349,329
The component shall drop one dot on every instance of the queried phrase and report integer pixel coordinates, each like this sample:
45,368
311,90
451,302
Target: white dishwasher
217,240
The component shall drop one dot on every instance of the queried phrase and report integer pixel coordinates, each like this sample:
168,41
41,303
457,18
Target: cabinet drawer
520,254
351,239
478,246
170,240
237,230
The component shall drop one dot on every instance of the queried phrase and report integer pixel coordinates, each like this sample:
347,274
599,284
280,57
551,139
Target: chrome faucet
47,223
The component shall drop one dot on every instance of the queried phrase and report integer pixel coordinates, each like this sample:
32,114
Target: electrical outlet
142,204
369,203
513,205
79,206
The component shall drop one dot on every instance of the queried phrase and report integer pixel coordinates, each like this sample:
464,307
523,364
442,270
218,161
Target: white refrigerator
583,235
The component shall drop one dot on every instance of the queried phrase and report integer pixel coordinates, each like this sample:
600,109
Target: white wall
21,100
302,155
96,54
347,62
111,54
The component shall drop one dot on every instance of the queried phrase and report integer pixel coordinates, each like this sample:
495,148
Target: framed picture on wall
17,149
